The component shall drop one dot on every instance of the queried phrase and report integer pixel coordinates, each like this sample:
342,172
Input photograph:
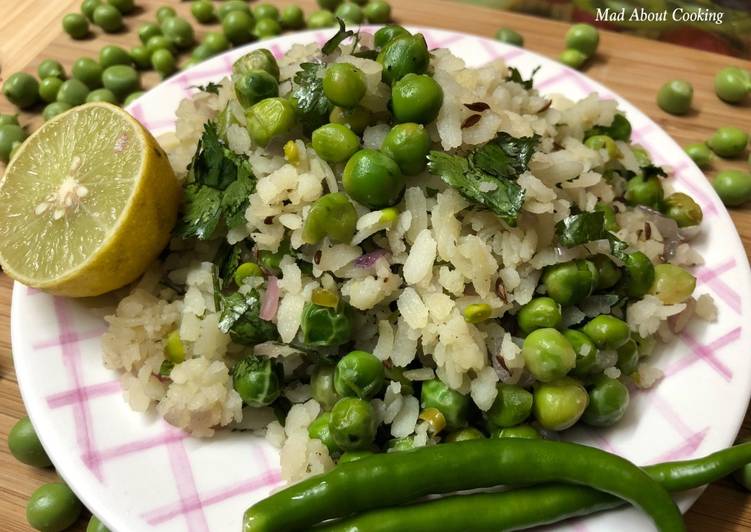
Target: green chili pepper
406,476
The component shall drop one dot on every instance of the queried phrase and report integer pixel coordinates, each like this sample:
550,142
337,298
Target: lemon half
87,203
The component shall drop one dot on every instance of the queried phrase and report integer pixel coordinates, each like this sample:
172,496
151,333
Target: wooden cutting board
30,31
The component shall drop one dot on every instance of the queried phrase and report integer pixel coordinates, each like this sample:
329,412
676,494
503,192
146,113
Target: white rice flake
412,308
419,263
406,419
483,388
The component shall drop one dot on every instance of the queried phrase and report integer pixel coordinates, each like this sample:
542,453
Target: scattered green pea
88,71
165,12
258,59
638,274
733,187
359,374
203,11
101,95
25,446
266,11
548,354
238,26
254,86
147,30
123,6
321,19
586,353
454,406
353,424
164,62
216,42
584,38
509,36
9,135
700,154
76,25
266,28
179,31
728,141
322,385
53,508
683,209
48,88
49,68
539,313
416,98
408,144
269,118
54,109
675,97
113,55
404,55
388,33
373,179
477,312
108,18
344,84
331,215
570,282
608,274
647,191
8,120
350,13
573,58
335,143
73,92
132,97
732,84
628,357
465,434
174,349
159,42
292,17
603,142
357,118
607,332
377,12
123,79
331,5
320,429
88,7
95,525
527,432
608,402
21,89
140,57
258,380
559,404
512,406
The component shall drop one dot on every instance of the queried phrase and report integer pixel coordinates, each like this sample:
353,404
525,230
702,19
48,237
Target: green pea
259,59
408,144
321,19
48,89
335,143
388,33
573,58
53,508
269,118
586,353
603,142
732,84
113,55
404,55
646,191
141,57
257,380
266,11
539,313
147,30
512,406
416,98
641,155
465,434
548,355
639,272
9,135
357,118
203,11
683,209
292,17
509,36
526,432
254,86
123,79
733,187
350,13
102,95
95,525
108,18
608,402
675,97
672,284
377,12
266,28
373,179
353,424
238,26
477,312
49,68
24,444
123,6
179,31
76,25
88,7
619,129
54,109
21,89
583,37
608,274
700,154
395,445
611,224
559,404
88,71
728,141
453,405
165,12
322,385
628,357
354,456
344,84
73,92
8,120
164,62
174,349
216,42
320,429
607,332
332,215
15,147
359,374
568,283
132,97
329,4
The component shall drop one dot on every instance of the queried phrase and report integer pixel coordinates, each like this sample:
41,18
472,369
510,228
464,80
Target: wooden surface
30,32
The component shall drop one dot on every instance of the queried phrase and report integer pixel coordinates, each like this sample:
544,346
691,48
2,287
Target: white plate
137,473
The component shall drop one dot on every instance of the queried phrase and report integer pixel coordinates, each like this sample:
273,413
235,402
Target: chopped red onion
369,259
270,303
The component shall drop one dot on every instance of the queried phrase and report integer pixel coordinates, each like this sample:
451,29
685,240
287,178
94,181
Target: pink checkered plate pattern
139,474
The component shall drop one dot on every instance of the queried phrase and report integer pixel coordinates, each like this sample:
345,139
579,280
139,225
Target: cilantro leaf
516,76
587,227
505,156
334,42
619,129
236,199
240,318
311,104
652,170
203,210
228,258
211,87
500,195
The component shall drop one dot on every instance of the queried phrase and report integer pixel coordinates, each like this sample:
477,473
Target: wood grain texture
30,31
